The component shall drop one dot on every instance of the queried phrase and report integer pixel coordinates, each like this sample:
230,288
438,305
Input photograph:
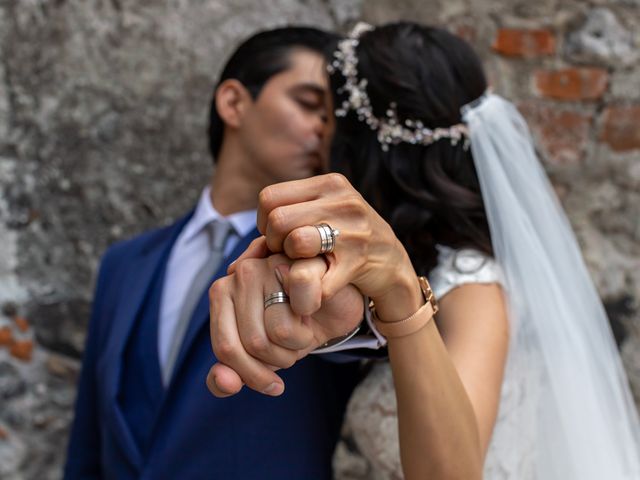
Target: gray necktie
219,231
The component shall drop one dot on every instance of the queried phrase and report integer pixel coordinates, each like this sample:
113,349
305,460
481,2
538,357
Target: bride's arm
447,376
447,379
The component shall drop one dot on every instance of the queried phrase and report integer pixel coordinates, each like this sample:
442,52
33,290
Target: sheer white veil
577,406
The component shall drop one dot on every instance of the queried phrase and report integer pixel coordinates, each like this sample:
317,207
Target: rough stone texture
620,127
103,107
564,134
103,111
624,85
602,39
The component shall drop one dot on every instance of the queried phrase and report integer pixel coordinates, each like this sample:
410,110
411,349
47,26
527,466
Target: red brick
572,83
6,337
3,434
621,127
524,43
22,323
561,134
22,350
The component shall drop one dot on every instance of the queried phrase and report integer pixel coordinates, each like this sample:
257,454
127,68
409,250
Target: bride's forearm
438,428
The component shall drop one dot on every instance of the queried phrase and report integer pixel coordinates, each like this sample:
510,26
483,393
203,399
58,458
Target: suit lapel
136,283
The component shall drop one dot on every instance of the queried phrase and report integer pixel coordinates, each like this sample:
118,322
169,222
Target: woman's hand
367,253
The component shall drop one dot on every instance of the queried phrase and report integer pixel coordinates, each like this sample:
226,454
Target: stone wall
103,107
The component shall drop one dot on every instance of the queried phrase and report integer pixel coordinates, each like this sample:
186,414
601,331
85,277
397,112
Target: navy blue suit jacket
195,435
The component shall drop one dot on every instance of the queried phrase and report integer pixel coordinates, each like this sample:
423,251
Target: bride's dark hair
429,194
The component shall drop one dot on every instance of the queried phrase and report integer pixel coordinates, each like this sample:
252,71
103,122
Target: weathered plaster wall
103,107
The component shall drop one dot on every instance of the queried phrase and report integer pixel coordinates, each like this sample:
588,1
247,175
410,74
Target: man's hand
251,342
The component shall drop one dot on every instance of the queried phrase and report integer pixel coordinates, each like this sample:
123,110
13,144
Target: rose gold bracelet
413,323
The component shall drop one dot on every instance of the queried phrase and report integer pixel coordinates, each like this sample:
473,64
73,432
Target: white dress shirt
189,253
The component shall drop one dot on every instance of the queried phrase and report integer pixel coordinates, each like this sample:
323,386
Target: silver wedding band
276,297
328,237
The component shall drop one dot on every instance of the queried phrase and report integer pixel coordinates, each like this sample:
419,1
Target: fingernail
218,391
279,276
274,389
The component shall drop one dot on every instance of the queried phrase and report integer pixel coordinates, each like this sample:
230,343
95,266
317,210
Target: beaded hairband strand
390,130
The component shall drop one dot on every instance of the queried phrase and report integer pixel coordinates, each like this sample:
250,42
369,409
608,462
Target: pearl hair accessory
390,130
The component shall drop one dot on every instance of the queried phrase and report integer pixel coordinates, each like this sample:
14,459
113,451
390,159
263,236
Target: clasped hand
252,342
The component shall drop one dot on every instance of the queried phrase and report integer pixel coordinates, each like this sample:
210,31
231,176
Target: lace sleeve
459,267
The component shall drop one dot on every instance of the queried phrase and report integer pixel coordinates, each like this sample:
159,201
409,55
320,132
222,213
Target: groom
143,410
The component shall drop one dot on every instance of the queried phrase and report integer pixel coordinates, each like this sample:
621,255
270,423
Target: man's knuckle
258,344
303,276
288,361
224,349
282,332
245,269
257,380
216,289
277,259
327,294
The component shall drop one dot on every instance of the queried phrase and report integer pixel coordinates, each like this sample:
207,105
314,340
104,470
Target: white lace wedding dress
369,448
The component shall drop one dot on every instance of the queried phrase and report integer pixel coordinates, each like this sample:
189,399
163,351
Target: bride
517,375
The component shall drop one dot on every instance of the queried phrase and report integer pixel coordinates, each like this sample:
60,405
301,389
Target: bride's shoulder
460,266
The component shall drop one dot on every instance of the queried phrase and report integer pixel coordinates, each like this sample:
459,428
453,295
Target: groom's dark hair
259,58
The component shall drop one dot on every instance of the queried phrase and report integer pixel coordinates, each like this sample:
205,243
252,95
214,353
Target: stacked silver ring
328,237
276,297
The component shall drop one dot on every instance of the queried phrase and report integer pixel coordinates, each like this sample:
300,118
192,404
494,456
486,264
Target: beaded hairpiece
390,130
